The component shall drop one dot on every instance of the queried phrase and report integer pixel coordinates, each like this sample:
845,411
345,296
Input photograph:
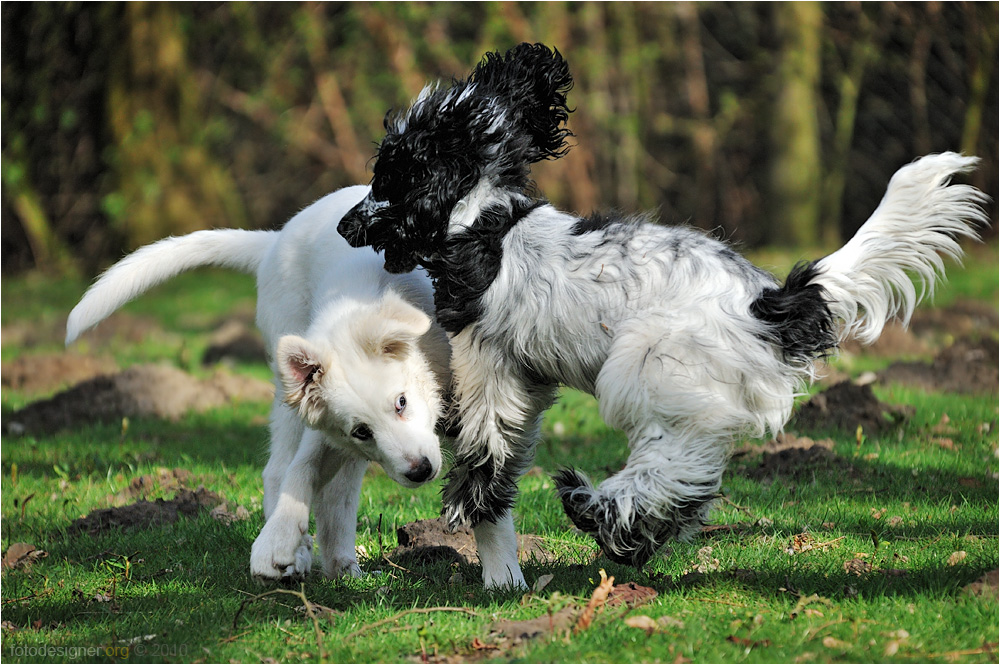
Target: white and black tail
856,290
154,264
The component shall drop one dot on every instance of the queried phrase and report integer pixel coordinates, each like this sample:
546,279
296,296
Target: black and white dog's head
488,128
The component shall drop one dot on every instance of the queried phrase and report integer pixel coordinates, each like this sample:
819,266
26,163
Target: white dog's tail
920,219
156,263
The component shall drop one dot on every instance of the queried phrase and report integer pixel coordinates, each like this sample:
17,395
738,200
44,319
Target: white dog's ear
300,368
394,331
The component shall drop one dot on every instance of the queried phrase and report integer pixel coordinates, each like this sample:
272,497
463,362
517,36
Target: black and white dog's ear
530,83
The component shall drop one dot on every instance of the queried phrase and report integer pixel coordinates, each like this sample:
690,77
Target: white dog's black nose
420,471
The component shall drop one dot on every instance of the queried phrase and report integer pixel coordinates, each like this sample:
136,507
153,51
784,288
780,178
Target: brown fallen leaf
746,643
479,645
22,555
857,567
597,599
630,594
957,557
530,628
833,643
670,622
642,622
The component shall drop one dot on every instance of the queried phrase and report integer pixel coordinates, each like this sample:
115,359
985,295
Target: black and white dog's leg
663,493
337,520
284,547
286,433
679,402
500,415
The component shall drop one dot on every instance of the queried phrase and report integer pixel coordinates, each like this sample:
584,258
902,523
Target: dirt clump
429,541
144,390
847,406
45,373
235,341
967,366
145,514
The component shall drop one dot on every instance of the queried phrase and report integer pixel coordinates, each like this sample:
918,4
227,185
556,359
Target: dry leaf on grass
857,567
597,599
22,555
630,594
957,557
746,643
833,643
642,622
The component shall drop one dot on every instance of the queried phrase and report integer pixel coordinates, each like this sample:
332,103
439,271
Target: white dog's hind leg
497,545
337,520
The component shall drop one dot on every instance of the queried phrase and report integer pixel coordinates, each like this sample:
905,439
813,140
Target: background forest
773,123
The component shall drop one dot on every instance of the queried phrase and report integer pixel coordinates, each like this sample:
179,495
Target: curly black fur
434,153
471,259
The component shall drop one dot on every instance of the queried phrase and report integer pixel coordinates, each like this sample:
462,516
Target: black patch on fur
595,221
482,494
798,316
634,546
470,262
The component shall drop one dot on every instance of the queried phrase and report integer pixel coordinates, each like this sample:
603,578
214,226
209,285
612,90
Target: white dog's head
368,385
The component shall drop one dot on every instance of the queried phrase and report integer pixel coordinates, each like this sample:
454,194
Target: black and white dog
685,343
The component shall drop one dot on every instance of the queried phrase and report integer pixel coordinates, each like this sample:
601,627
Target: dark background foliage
774,123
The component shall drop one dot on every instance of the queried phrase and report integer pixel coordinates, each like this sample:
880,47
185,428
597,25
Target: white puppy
358,370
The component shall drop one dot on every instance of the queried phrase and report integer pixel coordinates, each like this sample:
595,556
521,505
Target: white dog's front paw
303,560
337,567
281,550
499,579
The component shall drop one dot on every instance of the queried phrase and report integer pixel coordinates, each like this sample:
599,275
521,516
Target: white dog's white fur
358,370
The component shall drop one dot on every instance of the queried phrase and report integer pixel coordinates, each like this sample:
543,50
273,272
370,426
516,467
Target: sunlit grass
903,503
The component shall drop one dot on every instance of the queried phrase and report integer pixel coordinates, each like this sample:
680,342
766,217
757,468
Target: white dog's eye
362,432
400,404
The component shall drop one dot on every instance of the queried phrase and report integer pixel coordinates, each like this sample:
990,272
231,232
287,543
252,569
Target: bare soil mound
145,514
236,340
430,541
968,367
45,373
846,406
144,390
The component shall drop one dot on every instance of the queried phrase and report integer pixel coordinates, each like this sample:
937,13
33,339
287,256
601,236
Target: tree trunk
796,176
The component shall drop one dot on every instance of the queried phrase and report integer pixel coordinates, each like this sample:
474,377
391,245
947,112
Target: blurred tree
796,162
768,122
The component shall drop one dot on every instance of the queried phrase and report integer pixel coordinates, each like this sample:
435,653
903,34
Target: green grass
902,502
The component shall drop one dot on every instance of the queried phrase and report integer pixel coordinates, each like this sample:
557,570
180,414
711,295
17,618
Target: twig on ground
737,506
301,595
396,617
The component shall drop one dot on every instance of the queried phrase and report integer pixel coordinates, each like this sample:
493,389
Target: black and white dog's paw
630,539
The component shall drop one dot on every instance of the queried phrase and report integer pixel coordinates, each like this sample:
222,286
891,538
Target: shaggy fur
684,342
357,366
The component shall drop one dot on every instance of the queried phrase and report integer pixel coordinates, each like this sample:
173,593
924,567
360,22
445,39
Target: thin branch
396,617
301,595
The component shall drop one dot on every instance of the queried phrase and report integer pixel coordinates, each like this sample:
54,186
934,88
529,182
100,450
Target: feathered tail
920,219
156,263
